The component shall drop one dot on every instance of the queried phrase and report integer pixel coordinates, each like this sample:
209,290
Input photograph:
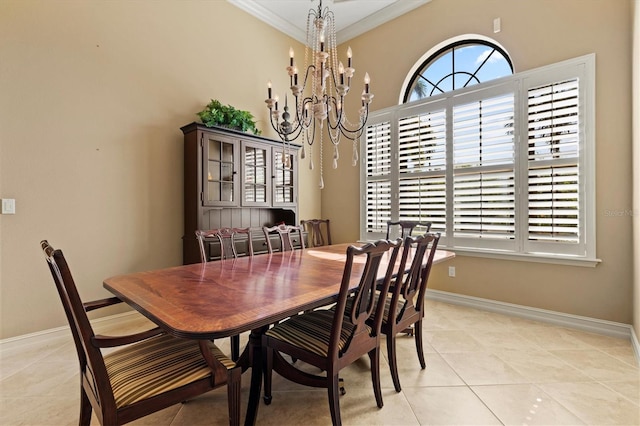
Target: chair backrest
364,299
406,228
314,228
287,240
226,237
412,286
91,361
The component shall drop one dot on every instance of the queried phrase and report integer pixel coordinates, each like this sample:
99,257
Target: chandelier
319,94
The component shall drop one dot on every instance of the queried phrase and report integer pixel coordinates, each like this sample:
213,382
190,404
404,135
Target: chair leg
418,333
334,398
267,363
85,408
374,355
393,361
233,395
235,347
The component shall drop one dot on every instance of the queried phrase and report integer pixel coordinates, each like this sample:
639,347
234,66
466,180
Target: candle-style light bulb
367,80
349,54
291,56
322,42
295,76
341,71
269,90
276,98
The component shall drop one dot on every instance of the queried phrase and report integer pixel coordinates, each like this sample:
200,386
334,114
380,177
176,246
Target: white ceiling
352,17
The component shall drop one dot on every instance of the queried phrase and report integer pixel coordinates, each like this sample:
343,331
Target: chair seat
312,331
157,365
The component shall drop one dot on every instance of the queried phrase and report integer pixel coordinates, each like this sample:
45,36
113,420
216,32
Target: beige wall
636,165
534,33
93,95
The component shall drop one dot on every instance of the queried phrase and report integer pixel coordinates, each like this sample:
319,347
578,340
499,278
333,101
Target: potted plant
216,114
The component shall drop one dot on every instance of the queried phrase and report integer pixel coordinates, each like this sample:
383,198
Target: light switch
8,206
496,25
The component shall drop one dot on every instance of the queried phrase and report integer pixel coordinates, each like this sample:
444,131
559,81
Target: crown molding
398,8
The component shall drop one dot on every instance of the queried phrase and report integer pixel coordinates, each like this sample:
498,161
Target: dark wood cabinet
235,179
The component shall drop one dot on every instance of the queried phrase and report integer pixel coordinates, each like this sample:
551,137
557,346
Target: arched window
457,65
501,164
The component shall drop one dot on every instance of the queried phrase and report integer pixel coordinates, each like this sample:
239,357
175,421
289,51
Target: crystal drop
321,184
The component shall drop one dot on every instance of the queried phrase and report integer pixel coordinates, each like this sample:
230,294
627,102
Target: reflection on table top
223,298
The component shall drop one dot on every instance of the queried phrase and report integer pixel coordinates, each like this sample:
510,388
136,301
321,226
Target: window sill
538,258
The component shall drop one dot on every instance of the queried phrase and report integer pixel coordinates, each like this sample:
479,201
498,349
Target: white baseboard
61,333
593,325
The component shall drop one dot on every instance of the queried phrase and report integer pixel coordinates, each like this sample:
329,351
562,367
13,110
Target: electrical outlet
8,206
452,271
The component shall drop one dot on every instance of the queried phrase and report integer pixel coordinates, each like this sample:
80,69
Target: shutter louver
422,166
483,169
378,168
424,199
378,144
553,177
378,205
484,206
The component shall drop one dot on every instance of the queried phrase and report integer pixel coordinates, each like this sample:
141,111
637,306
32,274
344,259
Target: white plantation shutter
483,170
553,204
553,138
505,167
422,166
378,168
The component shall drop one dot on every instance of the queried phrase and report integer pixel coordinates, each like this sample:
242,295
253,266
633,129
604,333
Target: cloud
480,59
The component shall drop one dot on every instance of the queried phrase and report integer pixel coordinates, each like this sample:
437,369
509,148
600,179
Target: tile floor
482,369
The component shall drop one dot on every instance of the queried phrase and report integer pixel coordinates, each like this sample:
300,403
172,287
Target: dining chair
332,339
151,371
228,249
314,227
226,238
406,227
405,306
288,241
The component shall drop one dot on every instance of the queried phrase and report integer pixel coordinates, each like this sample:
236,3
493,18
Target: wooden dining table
213,300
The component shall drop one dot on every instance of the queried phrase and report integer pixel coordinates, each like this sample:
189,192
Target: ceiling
352,17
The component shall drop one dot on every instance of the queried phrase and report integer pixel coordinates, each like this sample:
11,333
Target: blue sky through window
458,66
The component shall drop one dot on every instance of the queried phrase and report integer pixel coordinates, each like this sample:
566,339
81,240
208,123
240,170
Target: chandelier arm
300,118
344,129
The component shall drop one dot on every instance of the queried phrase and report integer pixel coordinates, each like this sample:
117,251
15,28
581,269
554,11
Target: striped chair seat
311,331
157,365
387,305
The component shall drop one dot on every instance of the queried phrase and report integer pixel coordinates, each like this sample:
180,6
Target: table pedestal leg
255,360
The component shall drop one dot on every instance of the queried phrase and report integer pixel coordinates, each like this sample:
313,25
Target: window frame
584,69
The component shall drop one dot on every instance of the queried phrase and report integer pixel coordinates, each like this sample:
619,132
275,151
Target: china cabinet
236,179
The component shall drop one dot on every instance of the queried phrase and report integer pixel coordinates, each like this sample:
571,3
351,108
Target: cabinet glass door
220,168
255,180
284,185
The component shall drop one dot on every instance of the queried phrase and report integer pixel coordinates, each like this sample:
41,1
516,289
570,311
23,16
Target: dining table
214,300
